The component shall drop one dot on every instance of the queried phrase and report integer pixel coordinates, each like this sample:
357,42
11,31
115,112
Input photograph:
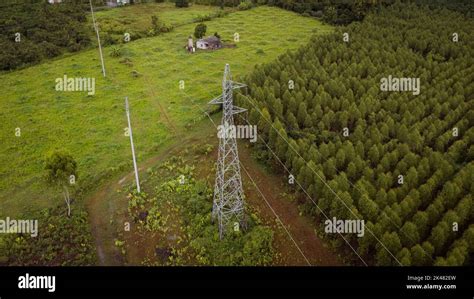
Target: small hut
209,43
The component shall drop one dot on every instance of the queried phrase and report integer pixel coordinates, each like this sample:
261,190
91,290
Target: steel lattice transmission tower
228,206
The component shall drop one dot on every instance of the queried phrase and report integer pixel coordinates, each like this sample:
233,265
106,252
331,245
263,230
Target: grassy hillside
92,127
136,19
139,16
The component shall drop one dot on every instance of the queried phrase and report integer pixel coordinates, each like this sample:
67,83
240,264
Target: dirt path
103,206
300,227
102,231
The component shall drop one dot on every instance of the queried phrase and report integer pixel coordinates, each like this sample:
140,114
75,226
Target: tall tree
61,172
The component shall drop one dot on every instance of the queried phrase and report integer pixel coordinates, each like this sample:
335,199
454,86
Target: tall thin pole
131,144
98,39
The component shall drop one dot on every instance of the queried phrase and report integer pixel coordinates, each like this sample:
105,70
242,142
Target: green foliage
202,18
115,52
339,12
45,30
154,23
334,11
136,20
391,242
337,86
244,5
59,167
158,27
200,30
191,201
61,171
61,241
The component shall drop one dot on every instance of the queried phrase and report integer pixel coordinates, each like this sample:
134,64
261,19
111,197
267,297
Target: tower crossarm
237,110
216,101
236,85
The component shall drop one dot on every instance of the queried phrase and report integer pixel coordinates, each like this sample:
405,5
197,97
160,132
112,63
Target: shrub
109,40
200,30
244,5
202,18
166,28
116,52
221,13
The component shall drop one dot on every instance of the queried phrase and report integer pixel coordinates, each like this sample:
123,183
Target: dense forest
344,12
402,162
335,12
32,31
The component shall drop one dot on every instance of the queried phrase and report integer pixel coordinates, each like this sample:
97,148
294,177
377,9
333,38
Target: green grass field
137,18
92,127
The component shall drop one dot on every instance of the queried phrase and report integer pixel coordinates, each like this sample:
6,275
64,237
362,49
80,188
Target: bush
220,13
166,28
158,27
244,5
109,40
50,50
202,18
116,52
200,30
